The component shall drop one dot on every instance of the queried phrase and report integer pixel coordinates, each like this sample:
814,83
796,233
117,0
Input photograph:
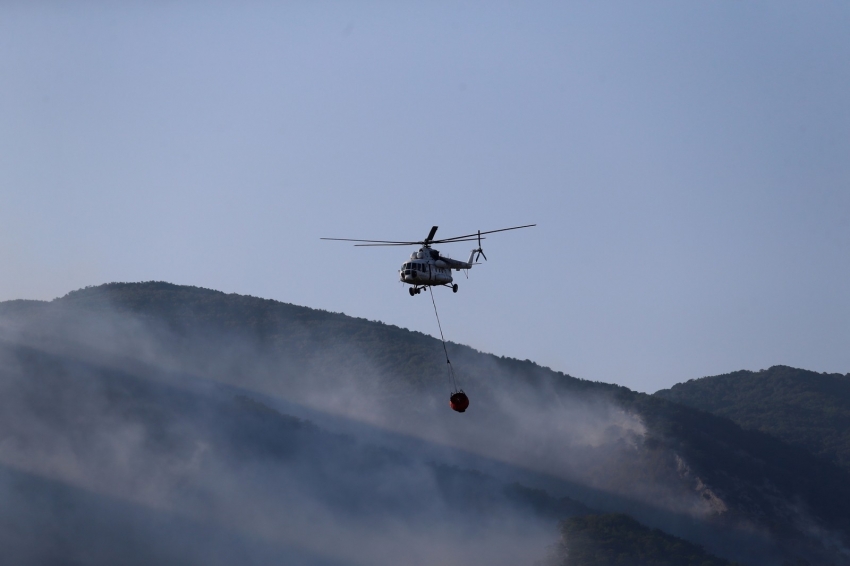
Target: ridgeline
727,481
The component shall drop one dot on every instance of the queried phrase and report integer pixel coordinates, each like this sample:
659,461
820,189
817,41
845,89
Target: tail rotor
480,251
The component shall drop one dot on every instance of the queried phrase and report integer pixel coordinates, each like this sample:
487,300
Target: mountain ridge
671,455
807,409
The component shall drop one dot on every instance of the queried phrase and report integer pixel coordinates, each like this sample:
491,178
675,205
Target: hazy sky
687,164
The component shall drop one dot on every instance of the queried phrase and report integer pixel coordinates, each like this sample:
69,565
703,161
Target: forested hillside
256,420
619,540
804,408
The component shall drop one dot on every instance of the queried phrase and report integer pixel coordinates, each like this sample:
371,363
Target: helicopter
427,267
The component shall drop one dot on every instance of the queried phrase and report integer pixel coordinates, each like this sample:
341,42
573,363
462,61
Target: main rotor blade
375,241
398,244
458,238
431,234
412,243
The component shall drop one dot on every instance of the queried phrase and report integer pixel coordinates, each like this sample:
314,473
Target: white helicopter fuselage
427,267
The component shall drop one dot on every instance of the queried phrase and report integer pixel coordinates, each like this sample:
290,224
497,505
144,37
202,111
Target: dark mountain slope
804,408
105,466
742,494
619,540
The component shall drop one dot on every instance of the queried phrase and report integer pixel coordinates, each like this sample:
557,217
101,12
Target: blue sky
687,164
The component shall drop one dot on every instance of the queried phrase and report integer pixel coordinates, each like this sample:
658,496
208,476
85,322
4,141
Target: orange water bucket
459,401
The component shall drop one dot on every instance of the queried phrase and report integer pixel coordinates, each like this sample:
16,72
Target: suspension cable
443,340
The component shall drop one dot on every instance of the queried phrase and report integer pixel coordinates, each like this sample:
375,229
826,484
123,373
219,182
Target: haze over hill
180,424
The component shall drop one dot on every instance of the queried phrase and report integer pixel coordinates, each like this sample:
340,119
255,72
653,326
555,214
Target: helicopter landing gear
417,290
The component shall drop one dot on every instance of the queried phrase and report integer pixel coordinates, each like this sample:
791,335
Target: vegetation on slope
618,540
804,408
